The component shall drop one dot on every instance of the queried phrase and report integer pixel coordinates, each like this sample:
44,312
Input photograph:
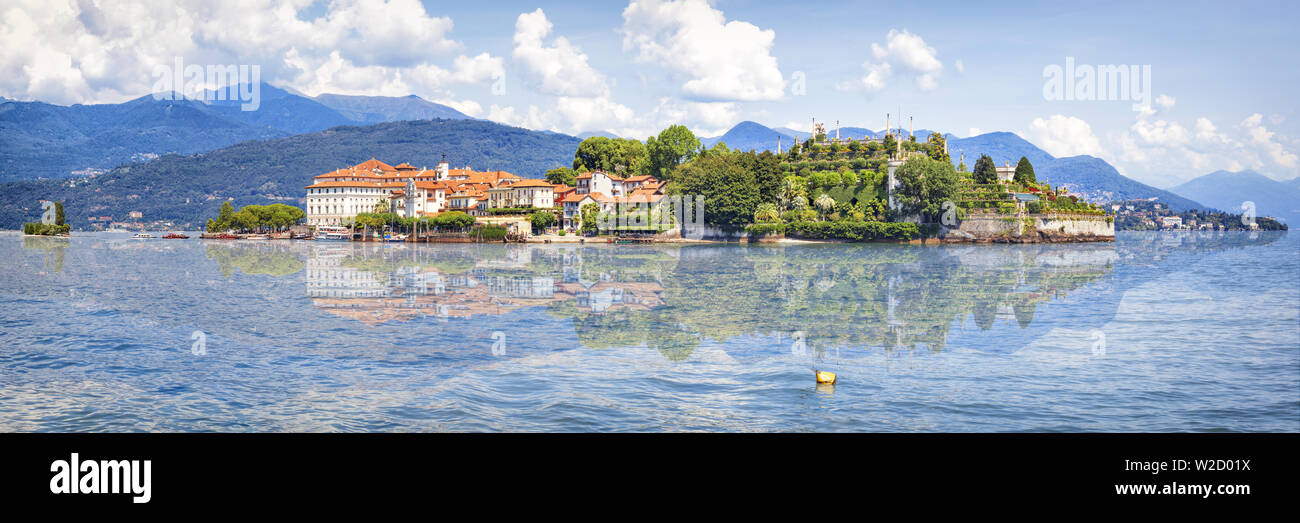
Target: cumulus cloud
558,69
719,60
1169,152
905,53
83,52
1062,136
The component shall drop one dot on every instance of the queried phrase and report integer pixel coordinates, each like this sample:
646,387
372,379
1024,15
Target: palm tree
766,212
825,202
791,188
799,202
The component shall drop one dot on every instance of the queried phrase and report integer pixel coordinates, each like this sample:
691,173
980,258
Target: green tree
891,144
226,216
562,175
1025,172
590,213
730,191
824,202
924,185
673,146
621,155
766,212
58,213
791,187
985,172
937,143
766,168
382,206
541,220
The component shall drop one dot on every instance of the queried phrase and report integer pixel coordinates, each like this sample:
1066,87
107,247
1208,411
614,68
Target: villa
334,198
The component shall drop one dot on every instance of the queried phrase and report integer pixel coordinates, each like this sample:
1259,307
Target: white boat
333,233
142,236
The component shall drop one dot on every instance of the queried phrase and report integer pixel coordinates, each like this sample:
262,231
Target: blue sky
1220,72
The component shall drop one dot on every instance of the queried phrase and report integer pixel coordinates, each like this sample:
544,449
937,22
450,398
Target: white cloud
906,53
560,69
85,51
961,67
1063,136
1169,153
1165,102
1262,138
719,60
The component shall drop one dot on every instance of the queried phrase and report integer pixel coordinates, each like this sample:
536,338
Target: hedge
839,230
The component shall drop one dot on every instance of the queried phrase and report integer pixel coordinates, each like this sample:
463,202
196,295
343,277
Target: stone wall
1031,228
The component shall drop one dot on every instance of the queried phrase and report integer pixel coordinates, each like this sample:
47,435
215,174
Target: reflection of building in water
328,278
347,286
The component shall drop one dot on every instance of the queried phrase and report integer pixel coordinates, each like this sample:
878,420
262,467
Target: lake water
1155,332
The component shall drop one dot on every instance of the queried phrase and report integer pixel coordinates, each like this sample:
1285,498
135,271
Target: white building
595,181
336,197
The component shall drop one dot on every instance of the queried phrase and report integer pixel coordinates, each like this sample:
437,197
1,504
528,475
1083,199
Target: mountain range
1228,191
40,140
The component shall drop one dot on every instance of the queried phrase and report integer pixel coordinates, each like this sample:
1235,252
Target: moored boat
176,236
333,233
142,236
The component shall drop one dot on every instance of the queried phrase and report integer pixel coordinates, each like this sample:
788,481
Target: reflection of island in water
673,298
377,285
53,248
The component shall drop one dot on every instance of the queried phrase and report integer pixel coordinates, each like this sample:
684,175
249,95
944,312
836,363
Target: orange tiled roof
373,164
532,182
380,185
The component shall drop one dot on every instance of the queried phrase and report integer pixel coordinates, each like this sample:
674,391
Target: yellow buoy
825,377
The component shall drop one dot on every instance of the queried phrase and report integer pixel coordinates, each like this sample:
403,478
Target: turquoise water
1155,332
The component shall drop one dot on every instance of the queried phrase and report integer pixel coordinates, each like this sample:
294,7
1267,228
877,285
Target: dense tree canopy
622,155
256,217
731,192
562,175
924,185
674,145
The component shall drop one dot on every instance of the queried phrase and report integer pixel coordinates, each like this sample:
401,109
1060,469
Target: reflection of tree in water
843,296
53,249
267,259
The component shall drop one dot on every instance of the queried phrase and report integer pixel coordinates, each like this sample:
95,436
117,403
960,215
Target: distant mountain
376,109
1098,181
1003,147
1294,182
750,135
40,140
192,188
1227,191
43,140
589,134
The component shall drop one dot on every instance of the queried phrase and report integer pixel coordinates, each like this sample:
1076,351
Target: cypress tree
985,171
1025,172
